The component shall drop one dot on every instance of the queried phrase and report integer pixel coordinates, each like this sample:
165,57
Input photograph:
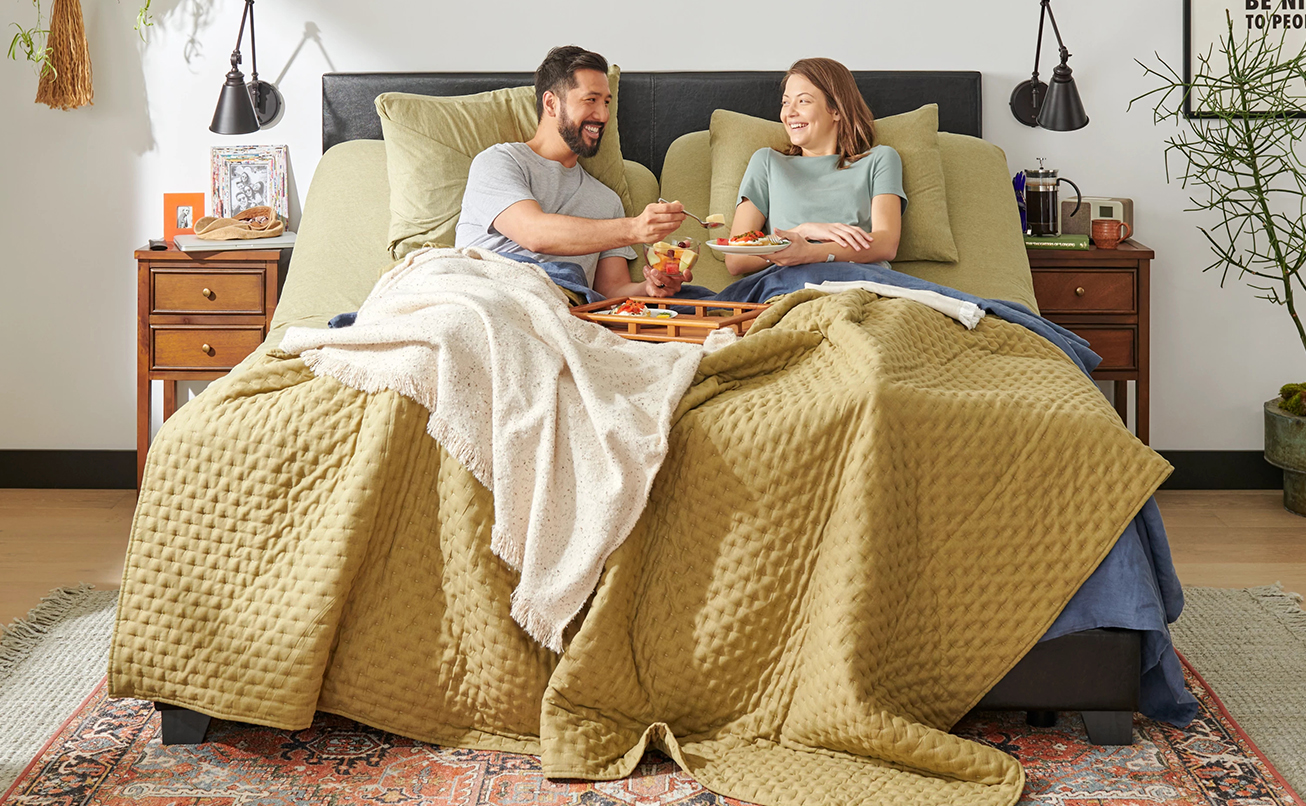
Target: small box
1081,223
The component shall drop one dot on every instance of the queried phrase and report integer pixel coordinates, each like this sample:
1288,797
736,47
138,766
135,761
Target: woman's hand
845,235
798,252
661,284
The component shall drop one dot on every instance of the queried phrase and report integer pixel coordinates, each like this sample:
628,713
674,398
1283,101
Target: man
534,201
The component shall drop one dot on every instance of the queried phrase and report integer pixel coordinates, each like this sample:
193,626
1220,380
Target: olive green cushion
340,248
430,142
926,234
985,224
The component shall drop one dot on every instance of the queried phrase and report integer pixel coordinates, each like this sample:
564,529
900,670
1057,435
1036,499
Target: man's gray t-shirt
507,173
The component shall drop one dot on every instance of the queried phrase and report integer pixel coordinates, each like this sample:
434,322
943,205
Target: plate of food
749,243
633,307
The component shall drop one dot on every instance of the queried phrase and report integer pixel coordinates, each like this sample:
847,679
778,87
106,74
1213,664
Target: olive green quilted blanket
867,516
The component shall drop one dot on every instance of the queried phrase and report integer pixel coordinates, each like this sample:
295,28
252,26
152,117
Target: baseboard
116,470
1221,470
68,470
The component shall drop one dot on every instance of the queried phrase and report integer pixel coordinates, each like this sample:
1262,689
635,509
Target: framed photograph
1281,23
180,212
249,176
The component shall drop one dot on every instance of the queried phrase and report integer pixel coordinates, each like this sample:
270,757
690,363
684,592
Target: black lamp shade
1062,111
235,111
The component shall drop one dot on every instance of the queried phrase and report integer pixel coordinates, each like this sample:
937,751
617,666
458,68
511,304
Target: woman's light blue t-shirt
796,190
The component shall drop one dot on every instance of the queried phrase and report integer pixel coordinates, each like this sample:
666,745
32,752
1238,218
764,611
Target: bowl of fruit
674,257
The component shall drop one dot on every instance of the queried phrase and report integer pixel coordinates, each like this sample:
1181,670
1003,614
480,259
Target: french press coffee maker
1043,211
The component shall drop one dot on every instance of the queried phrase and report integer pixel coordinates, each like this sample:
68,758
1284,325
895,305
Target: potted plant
1243,155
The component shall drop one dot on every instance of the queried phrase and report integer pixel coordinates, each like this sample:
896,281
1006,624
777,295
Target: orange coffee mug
1108,232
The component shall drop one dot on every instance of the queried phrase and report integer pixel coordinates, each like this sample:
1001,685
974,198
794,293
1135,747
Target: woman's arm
844,242
747,218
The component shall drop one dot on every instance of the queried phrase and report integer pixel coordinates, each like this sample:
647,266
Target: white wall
82,189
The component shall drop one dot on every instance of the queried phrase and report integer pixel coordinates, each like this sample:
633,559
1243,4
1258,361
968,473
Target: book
194,243
1056,241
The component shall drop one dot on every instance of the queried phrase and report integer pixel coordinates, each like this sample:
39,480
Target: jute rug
1250,646
49,662
108,752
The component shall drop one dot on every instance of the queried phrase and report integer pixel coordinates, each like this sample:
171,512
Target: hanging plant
61,55
32,43
143,20
68,85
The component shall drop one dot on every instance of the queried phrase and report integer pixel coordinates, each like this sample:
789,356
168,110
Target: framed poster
1279,25
249,176
180,212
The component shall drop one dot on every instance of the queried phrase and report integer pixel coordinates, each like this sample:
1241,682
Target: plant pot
1285,447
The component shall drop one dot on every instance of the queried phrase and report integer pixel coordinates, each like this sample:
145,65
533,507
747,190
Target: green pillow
430,142
926,234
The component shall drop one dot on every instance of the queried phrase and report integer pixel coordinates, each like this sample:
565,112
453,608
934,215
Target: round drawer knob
207,294
206,349
1079,292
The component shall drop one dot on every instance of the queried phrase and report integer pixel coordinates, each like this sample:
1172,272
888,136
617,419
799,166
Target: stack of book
1056,241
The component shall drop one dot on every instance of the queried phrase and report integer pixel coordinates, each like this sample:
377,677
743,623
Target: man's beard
575,139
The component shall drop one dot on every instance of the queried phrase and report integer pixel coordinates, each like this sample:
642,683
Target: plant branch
1242,151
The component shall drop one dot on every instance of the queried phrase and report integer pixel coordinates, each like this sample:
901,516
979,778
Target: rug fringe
21,636
1286,605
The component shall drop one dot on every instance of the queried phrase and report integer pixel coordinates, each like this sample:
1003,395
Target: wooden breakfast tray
694,328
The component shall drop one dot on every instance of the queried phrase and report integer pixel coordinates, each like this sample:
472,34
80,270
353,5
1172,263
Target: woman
834,193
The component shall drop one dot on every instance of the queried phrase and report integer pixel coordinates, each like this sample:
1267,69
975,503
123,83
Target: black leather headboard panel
656,108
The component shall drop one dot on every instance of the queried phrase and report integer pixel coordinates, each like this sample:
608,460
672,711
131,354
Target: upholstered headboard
654,109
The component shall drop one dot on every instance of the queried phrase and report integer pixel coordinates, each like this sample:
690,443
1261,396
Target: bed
272,573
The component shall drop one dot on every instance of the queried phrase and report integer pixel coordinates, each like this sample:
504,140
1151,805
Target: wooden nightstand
1102,295
198,315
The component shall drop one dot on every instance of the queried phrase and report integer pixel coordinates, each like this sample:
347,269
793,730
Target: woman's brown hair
856,124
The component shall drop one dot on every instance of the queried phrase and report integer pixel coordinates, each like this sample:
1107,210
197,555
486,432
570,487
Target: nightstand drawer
208,292
1094,291
202,348
1116,345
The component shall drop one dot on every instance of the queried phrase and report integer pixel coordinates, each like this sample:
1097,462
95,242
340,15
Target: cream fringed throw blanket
565,422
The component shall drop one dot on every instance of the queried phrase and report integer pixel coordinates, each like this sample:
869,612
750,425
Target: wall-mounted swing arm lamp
1057,107
244,108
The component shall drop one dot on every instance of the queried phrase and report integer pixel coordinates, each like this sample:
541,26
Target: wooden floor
51,538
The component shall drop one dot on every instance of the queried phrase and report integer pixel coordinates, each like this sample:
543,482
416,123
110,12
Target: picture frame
250,176
1206,23
180,212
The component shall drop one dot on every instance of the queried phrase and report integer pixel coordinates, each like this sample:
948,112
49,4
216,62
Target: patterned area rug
109,753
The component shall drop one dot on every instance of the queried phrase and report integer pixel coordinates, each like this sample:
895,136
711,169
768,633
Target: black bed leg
1041,719
181,725
1109,727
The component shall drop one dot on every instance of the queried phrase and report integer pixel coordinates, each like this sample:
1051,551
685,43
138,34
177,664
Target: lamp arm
1044,11
1065,54
240,37
1038,43
253,49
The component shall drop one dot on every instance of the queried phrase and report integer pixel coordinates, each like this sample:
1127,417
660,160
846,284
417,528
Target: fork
706,224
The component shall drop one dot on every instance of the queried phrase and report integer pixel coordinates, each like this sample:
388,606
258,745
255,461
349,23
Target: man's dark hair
557,73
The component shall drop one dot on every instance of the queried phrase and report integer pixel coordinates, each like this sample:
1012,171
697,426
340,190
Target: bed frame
1095,672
